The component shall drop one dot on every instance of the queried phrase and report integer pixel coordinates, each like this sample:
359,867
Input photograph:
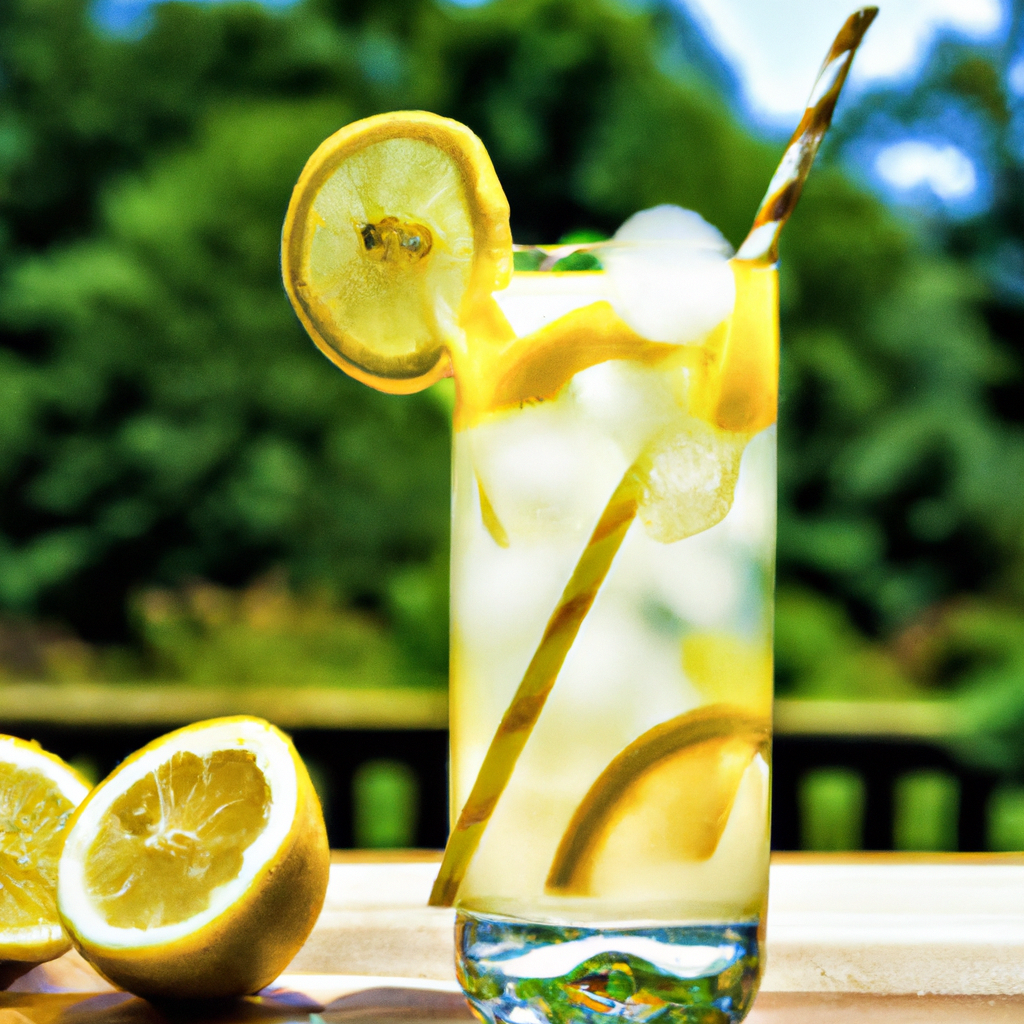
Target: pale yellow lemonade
624,421
680,630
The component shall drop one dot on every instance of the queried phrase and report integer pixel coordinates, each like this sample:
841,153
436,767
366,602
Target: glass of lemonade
624,869
613,546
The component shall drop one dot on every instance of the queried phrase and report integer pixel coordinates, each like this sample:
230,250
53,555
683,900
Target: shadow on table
404,1005
385,1005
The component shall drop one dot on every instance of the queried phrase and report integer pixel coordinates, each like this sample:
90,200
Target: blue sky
776,47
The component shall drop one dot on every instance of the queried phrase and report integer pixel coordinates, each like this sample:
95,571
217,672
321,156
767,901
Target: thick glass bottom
521,973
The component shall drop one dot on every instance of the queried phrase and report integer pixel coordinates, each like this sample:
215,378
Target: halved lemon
38,793
199,866
396,230
666,797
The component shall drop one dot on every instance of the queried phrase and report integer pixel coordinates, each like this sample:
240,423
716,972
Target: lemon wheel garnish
669,793
396,229
198,868
38,793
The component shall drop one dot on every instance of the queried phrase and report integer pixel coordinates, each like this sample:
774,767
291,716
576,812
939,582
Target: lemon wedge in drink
396,233
666,797
38,793
198,867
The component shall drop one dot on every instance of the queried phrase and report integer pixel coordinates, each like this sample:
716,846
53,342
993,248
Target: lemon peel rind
252,930
492,259
39,943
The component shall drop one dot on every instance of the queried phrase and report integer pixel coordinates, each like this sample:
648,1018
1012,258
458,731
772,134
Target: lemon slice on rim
198,867
666,797
38,793
396,228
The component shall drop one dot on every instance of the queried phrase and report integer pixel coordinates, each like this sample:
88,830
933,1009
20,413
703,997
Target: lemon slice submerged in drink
665,798
397,229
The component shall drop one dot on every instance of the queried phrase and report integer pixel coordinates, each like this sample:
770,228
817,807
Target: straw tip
852,32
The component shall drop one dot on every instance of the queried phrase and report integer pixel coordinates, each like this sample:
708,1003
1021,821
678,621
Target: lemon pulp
33,815
174,836
380,275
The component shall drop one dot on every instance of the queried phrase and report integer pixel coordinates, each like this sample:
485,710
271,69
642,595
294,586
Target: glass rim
551,255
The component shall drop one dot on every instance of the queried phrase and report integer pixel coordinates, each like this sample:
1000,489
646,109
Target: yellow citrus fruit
396,231
536,367
666,797
38,793
199,866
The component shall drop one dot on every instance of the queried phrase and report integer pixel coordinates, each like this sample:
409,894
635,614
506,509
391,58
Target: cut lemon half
198,868
38,793
666,797
396,231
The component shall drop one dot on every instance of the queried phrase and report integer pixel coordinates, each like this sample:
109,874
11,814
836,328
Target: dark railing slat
337,753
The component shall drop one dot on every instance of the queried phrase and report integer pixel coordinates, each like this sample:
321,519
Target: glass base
521,973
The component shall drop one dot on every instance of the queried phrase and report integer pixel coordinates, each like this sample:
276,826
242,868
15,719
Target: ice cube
690,476
699,581
545,470
669,275
617,654
503,597
628,401
532,301
752,523
669,223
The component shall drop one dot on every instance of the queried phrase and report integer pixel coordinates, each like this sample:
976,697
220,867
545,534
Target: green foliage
163,418
263,636
901,485
925,810
1006,819
167,418
819,653
832,804
384,803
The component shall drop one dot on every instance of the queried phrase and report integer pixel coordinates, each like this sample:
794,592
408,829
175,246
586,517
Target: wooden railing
338,731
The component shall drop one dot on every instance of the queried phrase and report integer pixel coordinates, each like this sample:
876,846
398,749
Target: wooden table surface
412,1005
878,939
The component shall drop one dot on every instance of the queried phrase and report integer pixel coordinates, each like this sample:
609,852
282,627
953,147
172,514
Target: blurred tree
971,97
902,459
166,418
163,417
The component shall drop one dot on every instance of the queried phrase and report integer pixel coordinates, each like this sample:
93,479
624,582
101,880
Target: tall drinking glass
612,576
613,543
